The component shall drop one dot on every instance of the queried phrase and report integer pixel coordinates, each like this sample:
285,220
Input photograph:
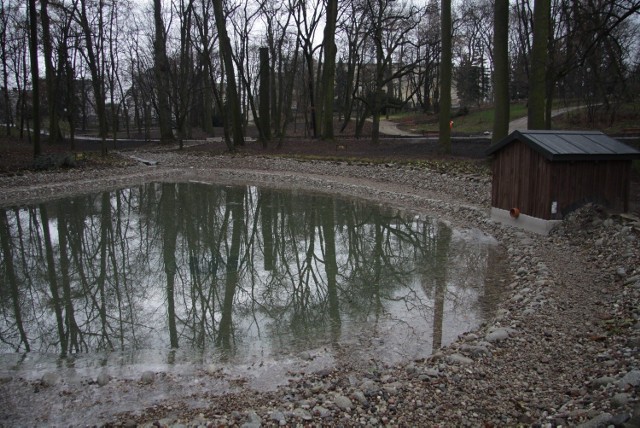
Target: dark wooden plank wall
602,182
524,179
521,180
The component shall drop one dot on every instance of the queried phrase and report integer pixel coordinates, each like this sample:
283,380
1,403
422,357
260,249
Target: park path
390,128
521,123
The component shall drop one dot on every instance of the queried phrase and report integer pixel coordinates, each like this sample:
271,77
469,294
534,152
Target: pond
175,273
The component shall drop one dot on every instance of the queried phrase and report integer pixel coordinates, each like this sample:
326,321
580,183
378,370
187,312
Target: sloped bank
562,349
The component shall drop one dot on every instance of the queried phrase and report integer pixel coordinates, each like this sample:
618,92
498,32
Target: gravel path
562,349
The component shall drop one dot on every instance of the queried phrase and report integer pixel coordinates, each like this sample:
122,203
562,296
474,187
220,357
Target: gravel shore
561,351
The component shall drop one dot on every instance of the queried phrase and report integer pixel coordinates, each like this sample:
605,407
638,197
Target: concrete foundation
523,221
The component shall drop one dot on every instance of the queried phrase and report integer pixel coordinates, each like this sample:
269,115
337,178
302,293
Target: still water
194,271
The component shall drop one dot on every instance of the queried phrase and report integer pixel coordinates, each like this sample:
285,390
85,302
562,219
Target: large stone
322,411
253,420
278,416
475,350
603,381
497,335
302,414
620,399
459,359
50,379
343,403
600,421
632,378
103,379
148,377
369,387
361,398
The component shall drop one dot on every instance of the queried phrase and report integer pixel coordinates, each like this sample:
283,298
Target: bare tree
18,52
329,70
265,93
50,73
590,54
284,56
6,15
233,120
93,53
352,32
307,18
445,76
473,50
183,76
391,29
247,61
424,80
161,73
35,75
203,44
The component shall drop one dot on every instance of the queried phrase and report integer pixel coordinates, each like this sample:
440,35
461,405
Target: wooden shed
547,174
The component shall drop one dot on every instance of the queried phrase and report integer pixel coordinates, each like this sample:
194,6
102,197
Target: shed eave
553,152
590,158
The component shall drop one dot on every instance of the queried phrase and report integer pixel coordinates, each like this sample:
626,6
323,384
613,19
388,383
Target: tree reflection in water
236,271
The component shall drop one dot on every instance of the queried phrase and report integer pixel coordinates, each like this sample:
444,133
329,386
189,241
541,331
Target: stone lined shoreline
561,351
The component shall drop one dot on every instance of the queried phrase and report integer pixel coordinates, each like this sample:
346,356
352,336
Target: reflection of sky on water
259,274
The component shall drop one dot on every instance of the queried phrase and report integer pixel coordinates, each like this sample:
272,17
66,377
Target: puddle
193,278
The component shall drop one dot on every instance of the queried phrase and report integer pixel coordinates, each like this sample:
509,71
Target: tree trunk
309,60
35,76
329,71
96,78
207,100
265,102
501,70
233,100
537,82
5,76
52,98
161,74
445,77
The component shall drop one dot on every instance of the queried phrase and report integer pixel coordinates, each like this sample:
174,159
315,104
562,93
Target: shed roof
570,145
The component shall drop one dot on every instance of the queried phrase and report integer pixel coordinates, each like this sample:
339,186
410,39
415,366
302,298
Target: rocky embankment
561,351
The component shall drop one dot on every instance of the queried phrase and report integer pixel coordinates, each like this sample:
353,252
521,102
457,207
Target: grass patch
612,121
476,121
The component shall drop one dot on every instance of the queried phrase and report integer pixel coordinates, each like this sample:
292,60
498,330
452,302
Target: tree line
320,65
